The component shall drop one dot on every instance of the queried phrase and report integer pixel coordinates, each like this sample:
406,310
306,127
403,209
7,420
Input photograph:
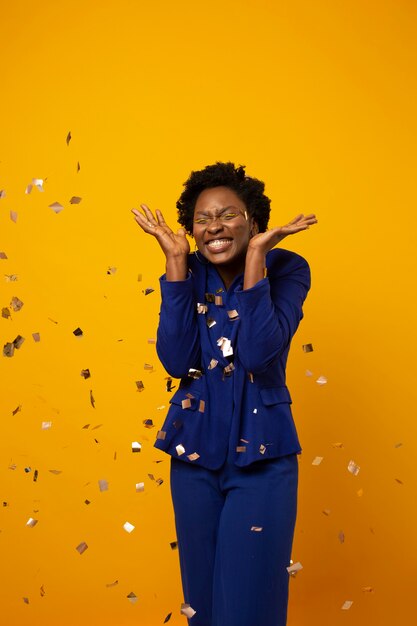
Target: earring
200,258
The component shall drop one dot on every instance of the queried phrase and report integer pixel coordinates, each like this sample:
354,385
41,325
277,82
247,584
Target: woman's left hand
263,242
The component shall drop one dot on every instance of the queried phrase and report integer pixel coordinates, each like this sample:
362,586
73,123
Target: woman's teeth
218,243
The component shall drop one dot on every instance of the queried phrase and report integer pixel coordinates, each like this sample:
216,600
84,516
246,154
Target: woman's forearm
176,268
254,268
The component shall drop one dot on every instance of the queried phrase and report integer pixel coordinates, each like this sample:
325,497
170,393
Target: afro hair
250,191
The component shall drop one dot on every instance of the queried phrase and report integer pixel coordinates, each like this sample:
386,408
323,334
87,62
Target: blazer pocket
188,400
275,395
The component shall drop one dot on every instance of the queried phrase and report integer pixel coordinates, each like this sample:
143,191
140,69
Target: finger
296,219
148,214
161,220
143,222
181,232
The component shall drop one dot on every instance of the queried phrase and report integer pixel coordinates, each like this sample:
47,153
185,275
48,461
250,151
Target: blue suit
232,438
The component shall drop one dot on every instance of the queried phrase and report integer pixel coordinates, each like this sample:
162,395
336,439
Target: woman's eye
228,216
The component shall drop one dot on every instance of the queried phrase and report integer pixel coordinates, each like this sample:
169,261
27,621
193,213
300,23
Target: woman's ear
254,229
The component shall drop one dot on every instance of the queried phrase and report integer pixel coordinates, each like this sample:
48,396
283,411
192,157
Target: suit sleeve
270,313
178,339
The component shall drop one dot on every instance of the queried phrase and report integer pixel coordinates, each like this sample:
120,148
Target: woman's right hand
174,245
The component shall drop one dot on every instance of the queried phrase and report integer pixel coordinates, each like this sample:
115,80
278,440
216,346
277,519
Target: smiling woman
225,330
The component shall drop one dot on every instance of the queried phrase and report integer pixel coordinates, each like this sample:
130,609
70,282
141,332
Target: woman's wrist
176,268
254,267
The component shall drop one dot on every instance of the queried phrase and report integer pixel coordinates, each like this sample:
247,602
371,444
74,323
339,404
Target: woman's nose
215,225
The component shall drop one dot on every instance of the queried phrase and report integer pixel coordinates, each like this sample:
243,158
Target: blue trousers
235,530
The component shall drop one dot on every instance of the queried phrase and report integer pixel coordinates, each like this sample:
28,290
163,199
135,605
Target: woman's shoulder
280,261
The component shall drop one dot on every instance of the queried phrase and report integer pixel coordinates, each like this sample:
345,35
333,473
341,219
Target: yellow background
319,100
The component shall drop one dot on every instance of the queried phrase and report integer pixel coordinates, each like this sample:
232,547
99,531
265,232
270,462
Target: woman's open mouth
219,245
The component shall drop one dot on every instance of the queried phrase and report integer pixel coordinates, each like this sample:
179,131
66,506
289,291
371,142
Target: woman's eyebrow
219,210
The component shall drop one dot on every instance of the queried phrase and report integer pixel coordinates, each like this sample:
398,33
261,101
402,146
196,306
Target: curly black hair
250,191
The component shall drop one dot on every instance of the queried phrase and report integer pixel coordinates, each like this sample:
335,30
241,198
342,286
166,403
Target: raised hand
172,244
263,242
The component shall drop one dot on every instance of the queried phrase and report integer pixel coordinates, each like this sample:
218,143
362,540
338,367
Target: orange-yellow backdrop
316,98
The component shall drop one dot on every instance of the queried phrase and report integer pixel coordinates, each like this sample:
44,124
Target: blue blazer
230,348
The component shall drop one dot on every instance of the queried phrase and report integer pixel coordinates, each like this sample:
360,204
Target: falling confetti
322,380
341,536
187,610
256,529
368,589
136,446
3,255
56,207
346,605
85,373
337,445
82,547
168,617
132,597
294,568
92,401
13,216
36,337
139,385
113,584
193,457
42,591
317,460
46,425
2,193
11,278
16,304
111,270
75,200
140,487
103,484
353,468
308,347
148,290
326,512
31,522
180,449
17,409
174,545
26,600
148,423
78,332
128,527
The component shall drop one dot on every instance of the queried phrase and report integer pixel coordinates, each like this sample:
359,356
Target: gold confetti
174,545
359,493
93,404
202,308
140,487
353,468
400,482
78,332
2,195
346,605
187,610
317,460
202,406
262,448
128,527
218,300
111,270
113,584
193,373
322,380
161,434
13,216
78,166
180,449
398,445
152,341
294,568
103,484
17,409
308,347
240,448
341,536
16,304
56,207
193,457
75,200
211,322
46,425
326,512
132,597
212,364
148,367
148,290
337,445
31,522
11,278
168,617
368,589
227,371
3,255
82,547
68,139
36,337
210,297
225,346
139,385
308,373
233,315
148,423
186,403
18,341
5,312
42,591
85,374
26,600
136,446
8,349
56,472
256,529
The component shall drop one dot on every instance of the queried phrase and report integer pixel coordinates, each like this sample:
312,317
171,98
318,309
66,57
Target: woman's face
222,226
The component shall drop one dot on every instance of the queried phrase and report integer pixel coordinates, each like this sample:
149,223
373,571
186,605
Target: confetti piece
326,512
180,449
257,529
294,568
233,315
36,336
262,448
341,536
240,448
148,367
5,312
113,584
85,374
140,487
2,193
255,411
174,545
368,589
161,434
201,308
56,207
193,457
353,468
75,200
46,425
3,255
8,349
227,371
128,527
87,502
211,322
31,522
193,373
201,406
5,504
35,475
16,304
168,617
308,347
308,373
218,300
55,472
11,278
225,346
111,270
13,216
359,493
92,401
169,386
187,610
42,591
139,385
400,482
159,481
148,423
160,408
26,600
152,341
28,470
18,341
103,484
17,409
212,364
136,446
322,380
148,290
78,166
132,597
337,445
78,332
82,547
68,139
317,460
186,403
346,605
